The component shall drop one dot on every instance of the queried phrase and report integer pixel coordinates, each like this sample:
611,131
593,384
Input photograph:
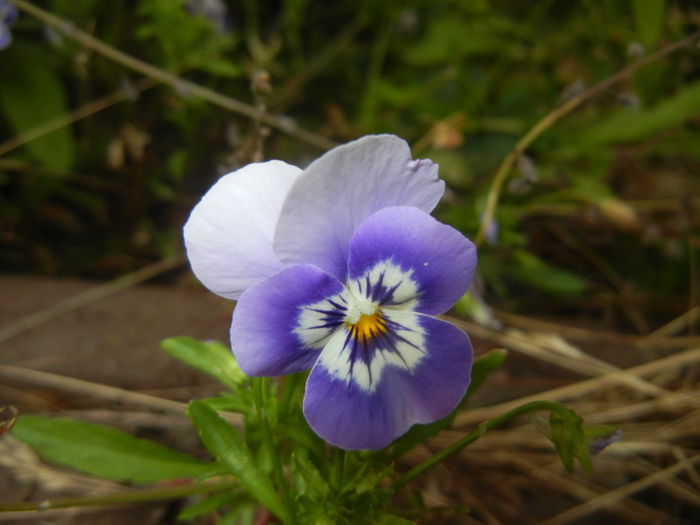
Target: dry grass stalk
604,500
573,359
581,388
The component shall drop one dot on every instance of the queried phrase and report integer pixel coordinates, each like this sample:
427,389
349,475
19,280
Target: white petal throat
366,327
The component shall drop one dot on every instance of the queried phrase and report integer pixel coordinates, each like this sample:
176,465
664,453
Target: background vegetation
115,117
599,215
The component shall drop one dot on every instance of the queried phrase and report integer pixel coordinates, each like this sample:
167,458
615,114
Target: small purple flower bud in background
492,232
596,446
215,11
8,16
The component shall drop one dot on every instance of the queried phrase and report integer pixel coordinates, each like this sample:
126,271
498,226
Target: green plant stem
338,467
552,117
289,390
260,406
474,435
133,496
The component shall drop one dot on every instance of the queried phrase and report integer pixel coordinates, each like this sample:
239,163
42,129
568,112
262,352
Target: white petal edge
229,233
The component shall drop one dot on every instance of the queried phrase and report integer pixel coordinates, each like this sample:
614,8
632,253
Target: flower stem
260,405
474,435
338,472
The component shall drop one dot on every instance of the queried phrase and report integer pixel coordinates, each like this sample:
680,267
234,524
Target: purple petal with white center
229,233
329,201
281,324
401,254
408,388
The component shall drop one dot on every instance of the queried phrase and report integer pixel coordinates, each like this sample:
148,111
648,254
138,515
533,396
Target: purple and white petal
280,326
329,201
230,231
357,401
404,258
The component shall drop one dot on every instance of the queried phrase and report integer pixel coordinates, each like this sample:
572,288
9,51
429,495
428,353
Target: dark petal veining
264,333
350,416
402,242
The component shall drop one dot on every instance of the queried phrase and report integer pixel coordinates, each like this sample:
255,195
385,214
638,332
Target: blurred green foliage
602,210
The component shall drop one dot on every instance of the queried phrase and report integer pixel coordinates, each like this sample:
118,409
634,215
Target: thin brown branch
82,112
616,495
282,123
478,415
99,391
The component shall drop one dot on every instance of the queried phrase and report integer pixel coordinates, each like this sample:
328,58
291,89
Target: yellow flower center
368,326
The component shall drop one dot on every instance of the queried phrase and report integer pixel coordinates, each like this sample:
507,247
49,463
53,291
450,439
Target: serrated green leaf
570,442
211,357
105,451
313,484
225,443
32,95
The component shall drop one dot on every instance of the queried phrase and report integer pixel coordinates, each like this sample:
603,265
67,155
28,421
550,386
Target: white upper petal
229,233
341,189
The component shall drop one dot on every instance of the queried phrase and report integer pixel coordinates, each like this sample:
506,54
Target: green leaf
32,95
222,68
570,442
211,357
531,270
207,505
105,451
629,125
226,444
241,515
649,17
309,479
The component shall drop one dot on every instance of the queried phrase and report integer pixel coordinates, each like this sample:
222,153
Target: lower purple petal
265,331
349,416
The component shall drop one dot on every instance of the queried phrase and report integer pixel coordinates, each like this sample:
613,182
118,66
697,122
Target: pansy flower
341,269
